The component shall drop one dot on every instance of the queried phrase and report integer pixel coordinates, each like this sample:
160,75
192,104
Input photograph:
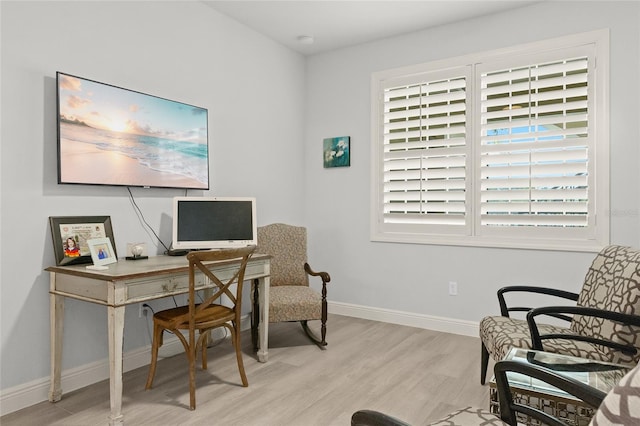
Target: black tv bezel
110,184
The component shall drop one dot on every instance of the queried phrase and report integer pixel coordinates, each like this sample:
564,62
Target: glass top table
538,394
600,375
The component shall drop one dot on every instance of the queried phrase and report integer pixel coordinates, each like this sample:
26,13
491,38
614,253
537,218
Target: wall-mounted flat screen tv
108,135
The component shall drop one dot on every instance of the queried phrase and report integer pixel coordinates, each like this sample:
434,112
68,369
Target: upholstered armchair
603,318
290,297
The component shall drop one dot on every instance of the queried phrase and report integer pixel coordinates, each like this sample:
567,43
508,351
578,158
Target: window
506,148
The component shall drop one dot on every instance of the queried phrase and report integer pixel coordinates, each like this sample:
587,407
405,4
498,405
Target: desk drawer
80,286
227,272
154,287
148,288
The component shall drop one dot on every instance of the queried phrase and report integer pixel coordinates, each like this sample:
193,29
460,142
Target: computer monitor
213,222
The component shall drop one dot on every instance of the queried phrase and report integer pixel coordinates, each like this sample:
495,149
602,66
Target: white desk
128,282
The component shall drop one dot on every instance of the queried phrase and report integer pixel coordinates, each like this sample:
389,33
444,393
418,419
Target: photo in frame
71,233
337,152
102,252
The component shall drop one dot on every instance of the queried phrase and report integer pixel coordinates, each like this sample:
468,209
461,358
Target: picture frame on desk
71,234
102,252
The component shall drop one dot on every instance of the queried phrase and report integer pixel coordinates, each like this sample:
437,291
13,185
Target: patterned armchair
618,407
604,323
290,297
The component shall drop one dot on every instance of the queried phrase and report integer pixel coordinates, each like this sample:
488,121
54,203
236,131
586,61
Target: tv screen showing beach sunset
108,135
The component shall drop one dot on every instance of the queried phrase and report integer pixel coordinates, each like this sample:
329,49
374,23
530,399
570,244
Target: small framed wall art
337,152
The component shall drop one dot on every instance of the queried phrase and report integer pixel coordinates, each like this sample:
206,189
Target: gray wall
253,88
187,52
414,278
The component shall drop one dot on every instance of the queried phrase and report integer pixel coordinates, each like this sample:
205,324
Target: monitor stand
176,252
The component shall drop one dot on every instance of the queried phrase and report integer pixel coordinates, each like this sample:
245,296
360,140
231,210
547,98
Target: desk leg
263,325
56,313
116,340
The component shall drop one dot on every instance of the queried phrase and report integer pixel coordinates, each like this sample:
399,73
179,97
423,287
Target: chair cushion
499,334
621,406
181,313
287,246
469,416
294,303
612,283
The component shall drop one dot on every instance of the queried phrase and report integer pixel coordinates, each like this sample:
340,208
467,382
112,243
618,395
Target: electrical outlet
453,288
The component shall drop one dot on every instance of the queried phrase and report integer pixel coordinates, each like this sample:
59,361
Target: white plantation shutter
425,151
502,149
535,143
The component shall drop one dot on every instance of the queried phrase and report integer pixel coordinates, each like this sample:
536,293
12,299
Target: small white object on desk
97,267
136,251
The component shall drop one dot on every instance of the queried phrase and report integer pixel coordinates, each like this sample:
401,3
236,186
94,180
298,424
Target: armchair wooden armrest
537,338
321,342
323,275
504,310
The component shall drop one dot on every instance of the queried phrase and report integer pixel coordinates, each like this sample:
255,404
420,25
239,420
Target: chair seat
470,416
211,314
499,334
294,303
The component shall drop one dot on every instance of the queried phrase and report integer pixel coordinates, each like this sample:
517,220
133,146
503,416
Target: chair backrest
198,263
287,246
612,283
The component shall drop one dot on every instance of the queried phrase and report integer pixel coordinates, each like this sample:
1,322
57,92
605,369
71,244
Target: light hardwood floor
414,374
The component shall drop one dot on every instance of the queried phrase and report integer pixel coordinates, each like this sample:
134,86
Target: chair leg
155,345
323,329
235,339
204,345
322,343
191,355
484,363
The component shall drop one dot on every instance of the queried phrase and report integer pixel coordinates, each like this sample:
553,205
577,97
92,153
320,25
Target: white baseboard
428,322
36,391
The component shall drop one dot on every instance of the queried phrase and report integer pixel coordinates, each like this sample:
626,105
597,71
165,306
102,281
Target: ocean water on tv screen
100,156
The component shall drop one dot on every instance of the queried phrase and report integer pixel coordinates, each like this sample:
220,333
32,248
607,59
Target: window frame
591,238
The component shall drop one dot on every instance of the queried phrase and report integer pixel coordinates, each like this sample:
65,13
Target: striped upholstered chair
604,323
290,297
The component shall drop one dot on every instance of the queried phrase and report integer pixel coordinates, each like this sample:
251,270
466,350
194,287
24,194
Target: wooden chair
207,315
604,321
616,407
290,297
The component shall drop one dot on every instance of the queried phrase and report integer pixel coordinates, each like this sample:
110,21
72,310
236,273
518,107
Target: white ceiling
334,24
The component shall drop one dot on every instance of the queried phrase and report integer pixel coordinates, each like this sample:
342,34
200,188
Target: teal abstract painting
337,152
